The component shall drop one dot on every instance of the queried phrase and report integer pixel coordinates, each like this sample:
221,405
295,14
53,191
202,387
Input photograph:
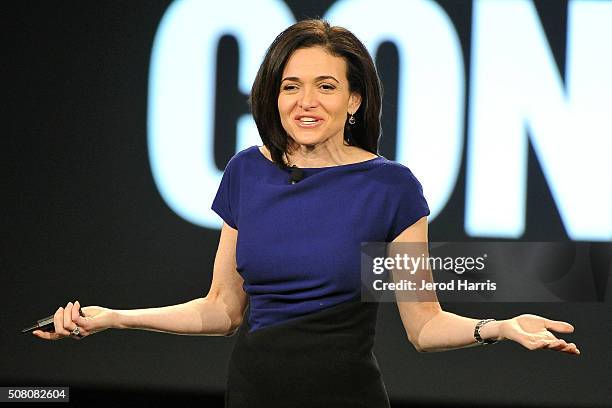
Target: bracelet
477,332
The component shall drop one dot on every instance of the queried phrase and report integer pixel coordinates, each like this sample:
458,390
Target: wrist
492,331
119,320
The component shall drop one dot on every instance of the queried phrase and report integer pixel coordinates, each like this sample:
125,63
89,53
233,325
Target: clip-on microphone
296,175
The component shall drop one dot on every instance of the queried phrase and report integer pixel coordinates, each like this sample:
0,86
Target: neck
320,155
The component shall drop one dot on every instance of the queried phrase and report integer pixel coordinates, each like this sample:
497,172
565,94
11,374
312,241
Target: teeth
308,119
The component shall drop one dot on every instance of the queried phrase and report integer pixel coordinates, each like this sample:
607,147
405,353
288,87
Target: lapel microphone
296,174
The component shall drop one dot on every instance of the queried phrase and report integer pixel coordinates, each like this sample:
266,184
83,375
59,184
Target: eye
289,87
328,87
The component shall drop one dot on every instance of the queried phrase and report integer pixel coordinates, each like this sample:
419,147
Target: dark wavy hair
361,75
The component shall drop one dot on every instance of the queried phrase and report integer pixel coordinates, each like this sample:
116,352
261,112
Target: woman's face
314,97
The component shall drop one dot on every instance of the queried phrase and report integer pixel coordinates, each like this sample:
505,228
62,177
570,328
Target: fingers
71,314
572,349
75,310
58,323
68,324
558,344
533,341
79,320
46,335
63,323
559,326
555,344
569,348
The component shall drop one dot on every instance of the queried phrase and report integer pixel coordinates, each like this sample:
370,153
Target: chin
308,138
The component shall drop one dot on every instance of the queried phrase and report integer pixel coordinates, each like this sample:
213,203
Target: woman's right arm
220,313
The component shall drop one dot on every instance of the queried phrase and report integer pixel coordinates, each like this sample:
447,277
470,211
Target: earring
352,119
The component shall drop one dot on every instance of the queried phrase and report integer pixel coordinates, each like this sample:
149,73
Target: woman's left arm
429,328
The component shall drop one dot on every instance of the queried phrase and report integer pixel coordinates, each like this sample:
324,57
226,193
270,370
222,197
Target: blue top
298,247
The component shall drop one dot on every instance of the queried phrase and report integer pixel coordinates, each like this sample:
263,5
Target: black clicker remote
45,324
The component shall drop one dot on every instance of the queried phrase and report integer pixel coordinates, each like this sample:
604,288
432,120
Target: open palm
534,332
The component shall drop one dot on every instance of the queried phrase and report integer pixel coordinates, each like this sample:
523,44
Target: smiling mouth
308,123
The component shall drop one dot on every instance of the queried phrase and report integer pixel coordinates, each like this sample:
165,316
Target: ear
354,102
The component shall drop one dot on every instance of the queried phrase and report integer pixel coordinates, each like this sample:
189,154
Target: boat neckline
373,159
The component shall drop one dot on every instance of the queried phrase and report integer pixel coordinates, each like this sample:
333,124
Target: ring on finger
76,332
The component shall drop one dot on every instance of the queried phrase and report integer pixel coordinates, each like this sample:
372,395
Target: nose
308,98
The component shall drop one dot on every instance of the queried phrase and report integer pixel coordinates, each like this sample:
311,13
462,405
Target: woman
303,202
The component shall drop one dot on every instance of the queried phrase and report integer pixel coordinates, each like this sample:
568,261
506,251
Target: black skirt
324,359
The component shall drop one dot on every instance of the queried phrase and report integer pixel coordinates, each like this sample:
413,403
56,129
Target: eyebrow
319,78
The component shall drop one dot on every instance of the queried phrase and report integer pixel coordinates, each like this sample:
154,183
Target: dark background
85,221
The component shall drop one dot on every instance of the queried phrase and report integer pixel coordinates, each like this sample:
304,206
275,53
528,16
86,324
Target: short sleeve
408,204
224,202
